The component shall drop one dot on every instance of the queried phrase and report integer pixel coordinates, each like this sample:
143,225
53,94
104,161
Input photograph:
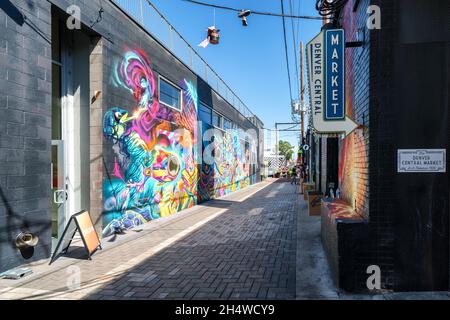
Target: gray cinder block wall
25,126
25,101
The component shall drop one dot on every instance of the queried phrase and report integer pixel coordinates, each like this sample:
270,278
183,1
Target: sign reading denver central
332,119
334,74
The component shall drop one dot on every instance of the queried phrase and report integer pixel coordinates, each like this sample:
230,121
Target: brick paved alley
247,252
257,243
241,246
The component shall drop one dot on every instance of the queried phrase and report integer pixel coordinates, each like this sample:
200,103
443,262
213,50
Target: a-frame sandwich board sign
82,223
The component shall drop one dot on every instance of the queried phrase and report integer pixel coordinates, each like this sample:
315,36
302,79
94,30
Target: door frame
66,96
59,196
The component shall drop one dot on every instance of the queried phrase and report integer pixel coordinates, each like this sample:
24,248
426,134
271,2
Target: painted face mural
154,173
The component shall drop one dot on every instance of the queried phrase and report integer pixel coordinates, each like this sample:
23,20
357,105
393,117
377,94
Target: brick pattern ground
247,252
246,245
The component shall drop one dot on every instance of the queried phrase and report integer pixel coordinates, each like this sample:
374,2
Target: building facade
105,118
397,89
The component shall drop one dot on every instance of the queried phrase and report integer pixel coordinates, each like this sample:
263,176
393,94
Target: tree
285,149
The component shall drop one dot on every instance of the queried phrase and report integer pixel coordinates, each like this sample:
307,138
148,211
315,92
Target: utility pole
302,92
276,139
302,99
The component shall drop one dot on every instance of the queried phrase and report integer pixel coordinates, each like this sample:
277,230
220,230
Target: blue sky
250,59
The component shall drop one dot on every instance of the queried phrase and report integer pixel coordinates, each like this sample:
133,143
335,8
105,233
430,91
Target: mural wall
154,172
230,170
354,149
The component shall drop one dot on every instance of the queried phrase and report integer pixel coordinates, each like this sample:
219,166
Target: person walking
301,177
295,175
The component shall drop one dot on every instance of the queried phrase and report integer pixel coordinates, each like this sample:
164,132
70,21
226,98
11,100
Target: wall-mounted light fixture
97,94
360,39
26,240
361,35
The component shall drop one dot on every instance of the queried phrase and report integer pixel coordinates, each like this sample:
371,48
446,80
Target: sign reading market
325,56
334,75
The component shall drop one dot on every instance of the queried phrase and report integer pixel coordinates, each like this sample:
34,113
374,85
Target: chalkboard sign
82,223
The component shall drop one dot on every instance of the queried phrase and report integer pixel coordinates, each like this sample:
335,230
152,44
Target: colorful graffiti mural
353,153
339,209
154,171
230,170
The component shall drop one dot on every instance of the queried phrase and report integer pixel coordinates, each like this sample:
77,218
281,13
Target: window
169,94
217,120
204,113
226,124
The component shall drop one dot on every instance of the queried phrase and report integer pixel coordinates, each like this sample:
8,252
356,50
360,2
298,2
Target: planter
314,203
308,186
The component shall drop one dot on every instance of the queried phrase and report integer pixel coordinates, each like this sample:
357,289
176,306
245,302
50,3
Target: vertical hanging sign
334,75
314,58
326,75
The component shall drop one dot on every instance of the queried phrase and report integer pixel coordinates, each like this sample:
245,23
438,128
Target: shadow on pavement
233,256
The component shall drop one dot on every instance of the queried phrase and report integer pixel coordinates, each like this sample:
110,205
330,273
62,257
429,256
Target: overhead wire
253,12
300,21
295,37
286,50
285,129
298,118
295,49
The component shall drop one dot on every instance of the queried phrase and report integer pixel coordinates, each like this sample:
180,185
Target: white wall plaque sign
421,160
